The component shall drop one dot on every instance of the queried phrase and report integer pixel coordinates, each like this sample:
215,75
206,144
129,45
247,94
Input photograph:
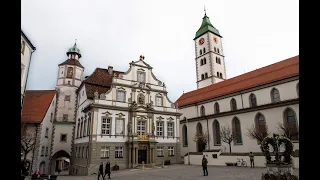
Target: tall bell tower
210,64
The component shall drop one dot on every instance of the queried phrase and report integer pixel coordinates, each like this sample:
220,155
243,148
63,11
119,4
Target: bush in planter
167,162
115,167
278,177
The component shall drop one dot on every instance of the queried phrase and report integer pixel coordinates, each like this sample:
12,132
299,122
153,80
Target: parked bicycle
241,163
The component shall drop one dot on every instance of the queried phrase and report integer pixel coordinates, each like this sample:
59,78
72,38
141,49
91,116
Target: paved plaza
183,172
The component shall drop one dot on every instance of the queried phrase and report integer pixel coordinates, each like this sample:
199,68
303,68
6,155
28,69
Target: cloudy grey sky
255,34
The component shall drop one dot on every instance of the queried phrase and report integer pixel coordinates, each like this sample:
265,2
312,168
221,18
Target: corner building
125,118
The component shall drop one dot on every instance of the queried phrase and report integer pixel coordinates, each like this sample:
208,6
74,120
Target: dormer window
158,100
141,76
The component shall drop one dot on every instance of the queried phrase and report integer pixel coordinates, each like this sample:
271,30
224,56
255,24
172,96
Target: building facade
263,100
26,53
37,123
125,118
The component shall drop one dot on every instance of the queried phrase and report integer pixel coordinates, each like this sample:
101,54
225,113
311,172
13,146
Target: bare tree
227,136
27,140
254,134
286,131
202,139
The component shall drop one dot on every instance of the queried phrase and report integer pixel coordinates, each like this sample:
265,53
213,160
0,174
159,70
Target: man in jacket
107,170
204,166
100,171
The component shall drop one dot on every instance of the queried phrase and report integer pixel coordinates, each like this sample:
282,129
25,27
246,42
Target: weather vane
205,13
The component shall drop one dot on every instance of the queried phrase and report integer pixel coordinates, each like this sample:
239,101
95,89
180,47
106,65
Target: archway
60,161
42,167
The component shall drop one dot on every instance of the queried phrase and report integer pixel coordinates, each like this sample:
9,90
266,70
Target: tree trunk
230,147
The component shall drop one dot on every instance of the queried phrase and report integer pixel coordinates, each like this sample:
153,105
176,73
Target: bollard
142,165
162,164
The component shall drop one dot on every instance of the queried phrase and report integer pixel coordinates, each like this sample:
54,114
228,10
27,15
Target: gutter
25,85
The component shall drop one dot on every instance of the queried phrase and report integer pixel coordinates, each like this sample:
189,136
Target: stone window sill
118,157
160,156
104,157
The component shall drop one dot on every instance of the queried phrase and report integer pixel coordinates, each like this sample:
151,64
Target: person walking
107,170
204,165
251,156
100,171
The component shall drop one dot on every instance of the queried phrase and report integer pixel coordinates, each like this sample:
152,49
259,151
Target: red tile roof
72,62
36,104
274,72
100,80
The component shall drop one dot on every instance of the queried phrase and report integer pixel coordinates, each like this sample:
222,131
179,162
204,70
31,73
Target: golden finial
141,57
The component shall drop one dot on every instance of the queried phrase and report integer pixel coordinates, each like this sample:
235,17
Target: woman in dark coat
107,170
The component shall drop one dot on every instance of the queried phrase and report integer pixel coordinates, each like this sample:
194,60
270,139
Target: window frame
123,127
118,149
160,151
106,127
104,152
160,124
171,123
170,151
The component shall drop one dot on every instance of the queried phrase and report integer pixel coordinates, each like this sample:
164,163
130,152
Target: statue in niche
96,95
130,127
141,99
70,72
153,128
102,96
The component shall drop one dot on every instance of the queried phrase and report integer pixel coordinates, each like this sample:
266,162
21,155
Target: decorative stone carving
142,85
96,95
130,126
151,102
164,85
129,100
159,83
102,96
153,128
173,105
148,86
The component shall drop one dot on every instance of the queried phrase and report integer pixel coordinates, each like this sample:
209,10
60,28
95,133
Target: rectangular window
42,151
159,128
119,152
104,152
141,127
170,151
119,126
65,117
47,133
51,117
121,96
67,98
170,129
76,152
63,138
158,101
47,149
83,152
160,151
141,77
79,152
106,126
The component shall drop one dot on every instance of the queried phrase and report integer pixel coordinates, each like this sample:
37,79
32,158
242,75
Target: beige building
262,98
125,118
26,53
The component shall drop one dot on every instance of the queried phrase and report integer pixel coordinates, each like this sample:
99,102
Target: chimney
110,70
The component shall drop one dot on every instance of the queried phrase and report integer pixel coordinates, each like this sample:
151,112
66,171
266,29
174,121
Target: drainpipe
188,143
35,142
208,134
25,85
241,100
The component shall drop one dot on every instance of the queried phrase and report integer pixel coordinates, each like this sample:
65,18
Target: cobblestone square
183,172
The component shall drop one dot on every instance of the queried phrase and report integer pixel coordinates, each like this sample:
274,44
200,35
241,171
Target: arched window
261,125
216,108
298,89
202,111
202,76
200,145
200,52
216,133
217,60
140,99
290,122
23,46
185,135
199,128
236,130
85,128
89,123
220,75
215,49
204,61
275,95
201,62
81,126
78,130
233,104
253,100
204,50
206,75
217,74
218,50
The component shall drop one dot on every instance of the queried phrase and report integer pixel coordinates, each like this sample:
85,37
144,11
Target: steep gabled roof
36,104
274,72
72,62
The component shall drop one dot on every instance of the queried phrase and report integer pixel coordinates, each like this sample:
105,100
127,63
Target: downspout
35,142
241,100
25,85
208,134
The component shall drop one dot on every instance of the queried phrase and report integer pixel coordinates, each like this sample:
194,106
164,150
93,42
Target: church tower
210,64
69,78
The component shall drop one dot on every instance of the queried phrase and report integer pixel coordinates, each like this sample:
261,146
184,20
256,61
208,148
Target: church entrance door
142,156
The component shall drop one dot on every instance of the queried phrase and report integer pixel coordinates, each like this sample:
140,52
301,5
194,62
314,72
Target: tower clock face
215,40
201,41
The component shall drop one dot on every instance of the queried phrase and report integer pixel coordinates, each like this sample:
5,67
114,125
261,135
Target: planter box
276,169
115,168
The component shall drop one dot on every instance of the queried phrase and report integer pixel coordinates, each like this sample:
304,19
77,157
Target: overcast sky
108,32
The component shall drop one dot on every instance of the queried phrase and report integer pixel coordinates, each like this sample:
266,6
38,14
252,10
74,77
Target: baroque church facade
125,118
263,100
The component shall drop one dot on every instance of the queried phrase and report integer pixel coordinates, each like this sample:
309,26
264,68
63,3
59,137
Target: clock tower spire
210,64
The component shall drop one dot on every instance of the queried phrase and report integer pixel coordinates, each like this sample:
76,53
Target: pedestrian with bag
100,172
